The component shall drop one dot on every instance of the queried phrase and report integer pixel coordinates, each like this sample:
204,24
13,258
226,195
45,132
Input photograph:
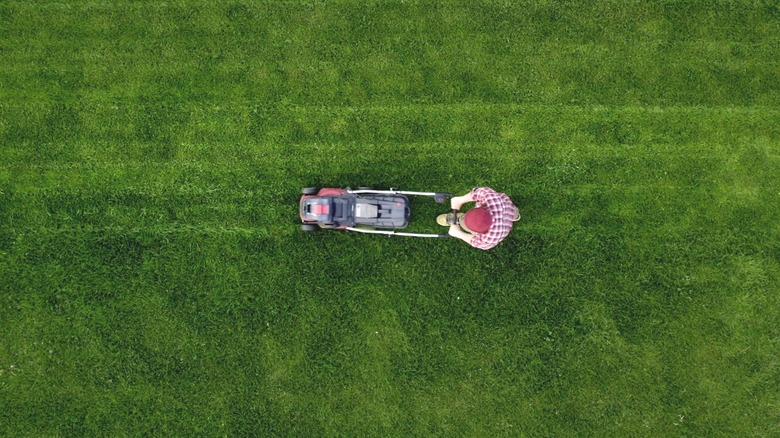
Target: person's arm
457,201
455,231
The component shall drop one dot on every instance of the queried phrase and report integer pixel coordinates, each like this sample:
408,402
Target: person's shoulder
483,190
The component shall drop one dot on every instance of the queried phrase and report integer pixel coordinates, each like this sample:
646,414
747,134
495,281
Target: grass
153,280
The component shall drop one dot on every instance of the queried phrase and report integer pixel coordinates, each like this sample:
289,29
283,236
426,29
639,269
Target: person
485,225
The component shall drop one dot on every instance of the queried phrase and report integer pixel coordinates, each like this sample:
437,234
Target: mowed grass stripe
167,132
472,52
649,22
572,170
545,186
566,166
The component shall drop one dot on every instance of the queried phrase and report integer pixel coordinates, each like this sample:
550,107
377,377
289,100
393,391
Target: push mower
354,210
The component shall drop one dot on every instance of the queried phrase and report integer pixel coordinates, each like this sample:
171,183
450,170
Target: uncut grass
154,280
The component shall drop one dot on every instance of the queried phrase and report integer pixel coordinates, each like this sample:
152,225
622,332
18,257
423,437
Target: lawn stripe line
659,229
160,230
248,194
161,4
115,103
255,189
559,48
587,151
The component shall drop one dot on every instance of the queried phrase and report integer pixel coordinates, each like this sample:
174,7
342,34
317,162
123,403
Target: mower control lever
441,197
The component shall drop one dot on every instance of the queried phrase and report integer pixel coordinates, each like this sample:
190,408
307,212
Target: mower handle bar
438,196
394,233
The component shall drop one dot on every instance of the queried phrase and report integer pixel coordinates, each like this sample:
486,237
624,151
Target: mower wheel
309,227
310,191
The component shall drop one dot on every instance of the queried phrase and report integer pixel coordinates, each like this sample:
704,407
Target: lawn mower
363,210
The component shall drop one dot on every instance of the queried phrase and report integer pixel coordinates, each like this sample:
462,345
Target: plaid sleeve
479,194
485,241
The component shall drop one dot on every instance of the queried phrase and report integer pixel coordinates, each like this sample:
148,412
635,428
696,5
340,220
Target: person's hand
454,231
456,202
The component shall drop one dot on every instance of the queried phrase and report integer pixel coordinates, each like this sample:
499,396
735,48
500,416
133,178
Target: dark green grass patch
154,280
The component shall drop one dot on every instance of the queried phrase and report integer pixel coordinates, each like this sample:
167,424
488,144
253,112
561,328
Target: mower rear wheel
310,190
309,227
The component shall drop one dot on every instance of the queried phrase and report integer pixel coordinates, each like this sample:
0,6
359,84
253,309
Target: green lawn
154,281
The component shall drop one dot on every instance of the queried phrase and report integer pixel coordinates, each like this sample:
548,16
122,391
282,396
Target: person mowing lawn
485,225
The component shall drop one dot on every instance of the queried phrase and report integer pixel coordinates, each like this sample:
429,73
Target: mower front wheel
309,227
310,190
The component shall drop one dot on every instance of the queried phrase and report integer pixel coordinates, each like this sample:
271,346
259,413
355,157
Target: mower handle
439,197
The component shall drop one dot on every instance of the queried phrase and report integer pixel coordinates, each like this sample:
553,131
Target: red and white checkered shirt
502,211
